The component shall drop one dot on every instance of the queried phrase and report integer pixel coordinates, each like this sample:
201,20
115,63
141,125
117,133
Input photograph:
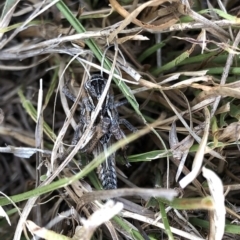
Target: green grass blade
165,221
98,54
229,228
171,64
27,105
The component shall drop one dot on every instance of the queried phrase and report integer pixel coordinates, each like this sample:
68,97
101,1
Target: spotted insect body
106,126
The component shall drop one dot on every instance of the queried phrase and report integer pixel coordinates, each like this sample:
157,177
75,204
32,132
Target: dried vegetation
176,62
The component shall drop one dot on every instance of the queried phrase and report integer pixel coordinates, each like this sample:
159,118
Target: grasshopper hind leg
107,174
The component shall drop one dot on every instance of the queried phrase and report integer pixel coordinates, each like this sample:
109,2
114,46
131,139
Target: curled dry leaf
4,214
44,232
109,210
134,37
23,152
131,17
229,134
173,141
180,150
186,143
85,232
230,90
216,189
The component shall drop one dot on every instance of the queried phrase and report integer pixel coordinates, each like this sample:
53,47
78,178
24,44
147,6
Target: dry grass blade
84,232
4,215
226,70
22,151
7,13
36,13
197,162
132,17
144,193
109,210
214,28
216,189
43,232
153,222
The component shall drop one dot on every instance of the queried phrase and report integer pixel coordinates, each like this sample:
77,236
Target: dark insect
106,126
